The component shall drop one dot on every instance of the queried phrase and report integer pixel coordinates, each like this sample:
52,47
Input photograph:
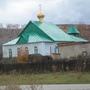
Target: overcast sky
56,11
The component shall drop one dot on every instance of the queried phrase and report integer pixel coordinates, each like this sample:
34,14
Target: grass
46,78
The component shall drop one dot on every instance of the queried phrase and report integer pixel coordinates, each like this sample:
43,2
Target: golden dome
40,16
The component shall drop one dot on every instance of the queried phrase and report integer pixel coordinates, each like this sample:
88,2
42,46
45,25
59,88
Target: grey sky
56,11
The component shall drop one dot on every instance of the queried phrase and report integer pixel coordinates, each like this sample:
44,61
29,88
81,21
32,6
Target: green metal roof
78,39
12,42
32,33
36,31
56,33
72,30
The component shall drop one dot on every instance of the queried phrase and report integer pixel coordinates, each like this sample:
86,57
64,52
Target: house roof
72,30
56,33
32,33
84,29
36,31
12,42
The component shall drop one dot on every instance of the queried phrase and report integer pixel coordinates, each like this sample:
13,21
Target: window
56,50
84,53
26,50
35,50
18,51
10,53
50,50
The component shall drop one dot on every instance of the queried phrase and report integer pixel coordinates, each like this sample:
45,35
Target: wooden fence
47,66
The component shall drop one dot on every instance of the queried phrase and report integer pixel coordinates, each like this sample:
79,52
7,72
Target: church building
39,37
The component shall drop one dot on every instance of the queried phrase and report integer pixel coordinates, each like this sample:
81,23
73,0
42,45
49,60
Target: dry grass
12,87
47,78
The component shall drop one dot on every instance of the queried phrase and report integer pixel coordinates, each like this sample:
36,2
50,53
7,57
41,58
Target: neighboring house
69,50
39,37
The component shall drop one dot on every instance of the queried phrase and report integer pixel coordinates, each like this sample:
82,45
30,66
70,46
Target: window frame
26,50
10,53
57,49
35,50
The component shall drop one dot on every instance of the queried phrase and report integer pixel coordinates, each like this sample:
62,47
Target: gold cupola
40,15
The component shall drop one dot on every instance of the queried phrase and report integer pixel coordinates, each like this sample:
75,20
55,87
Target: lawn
46,78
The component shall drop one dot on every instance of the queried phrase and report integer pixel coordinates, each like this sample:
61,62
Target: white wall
48,46
43,49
